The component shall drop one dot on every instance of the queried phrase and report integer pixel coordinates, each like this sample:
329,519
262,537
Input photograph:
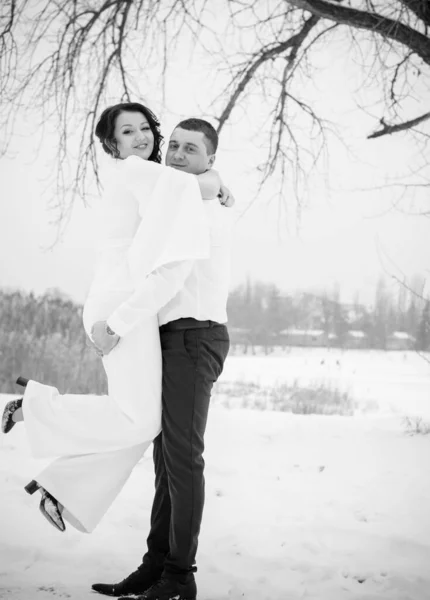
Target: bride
152,219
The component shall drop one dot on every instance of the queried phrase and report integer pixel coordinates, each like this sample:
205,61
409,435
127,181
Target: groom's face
189,151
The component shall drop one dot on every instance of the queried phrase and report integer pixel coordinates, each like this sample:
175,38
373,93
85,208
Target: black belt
188,323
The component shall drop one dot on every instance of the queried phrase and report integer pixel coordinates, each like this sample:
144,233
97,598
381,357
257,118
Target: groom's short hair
211,136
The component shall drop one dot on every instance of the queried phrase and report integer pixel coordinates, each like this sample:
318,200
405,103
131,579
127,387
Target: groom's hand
91,344
102,340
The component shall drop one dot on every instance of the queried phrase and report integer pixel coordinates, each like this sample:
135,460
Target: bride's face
133,135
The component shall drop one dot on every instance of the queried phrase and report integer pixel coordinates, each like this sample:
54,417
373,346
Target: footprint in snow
362,578
53,591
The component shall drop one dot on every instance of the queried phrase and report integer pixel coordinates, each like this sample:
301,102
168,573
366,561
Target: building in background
400,340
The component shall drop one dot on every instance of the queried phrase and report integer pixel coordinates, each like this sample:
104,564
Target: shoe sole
110,594
115,594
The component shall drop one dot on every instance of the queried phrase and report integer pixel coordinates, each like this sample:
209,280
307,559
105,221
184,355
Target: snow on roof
238,330
401,335
308,332
357,334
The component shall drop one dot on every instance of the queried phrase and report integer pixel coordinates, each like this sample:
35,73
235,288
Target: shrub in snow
317,399
415,425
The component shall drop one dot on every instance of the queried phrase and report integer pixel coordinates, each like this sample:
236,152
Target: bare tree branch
390,129
394,30
262,57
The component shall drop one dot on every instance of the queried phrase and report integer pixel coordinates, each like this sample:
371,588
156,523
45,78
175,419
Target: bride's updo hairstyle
106,126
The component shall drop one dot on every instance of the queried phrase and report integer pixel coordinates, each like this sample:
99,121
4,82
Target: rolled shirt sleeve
155,292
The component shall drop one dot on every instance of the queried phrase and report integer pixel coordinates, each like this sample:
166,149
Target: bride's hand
103,342
225,196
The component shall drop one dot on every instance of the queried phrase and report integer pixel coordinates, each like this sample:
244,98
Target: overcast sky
345,234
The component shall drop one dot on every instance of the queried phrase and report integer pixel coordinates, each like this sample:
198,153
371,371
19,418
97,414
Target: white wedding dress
152,216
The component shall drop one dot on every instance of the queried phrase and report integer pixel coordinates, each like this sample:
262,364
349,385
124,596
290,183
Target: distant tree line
42,337
263,311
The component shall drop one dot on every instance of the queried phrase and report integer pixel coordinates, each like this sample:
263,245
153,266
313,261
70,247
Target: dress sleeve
155,292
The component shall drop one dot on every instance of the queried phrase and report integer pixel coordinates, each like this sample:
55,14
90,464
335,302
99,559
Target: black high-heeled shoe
7,421
48,505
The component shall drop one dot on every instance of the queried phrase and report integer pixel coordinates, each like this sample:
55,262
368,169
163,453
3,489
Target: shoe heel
22,381
32,487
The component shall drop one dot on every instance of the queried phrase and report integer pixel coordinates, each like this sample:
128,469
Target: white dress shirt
204,293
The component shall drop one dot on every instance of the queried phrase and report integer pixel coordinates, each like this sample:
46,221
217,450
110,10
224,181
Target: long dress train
152,216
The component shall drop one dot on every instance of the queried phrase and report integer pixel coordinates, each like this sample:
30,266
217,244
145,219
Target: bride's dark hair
106,126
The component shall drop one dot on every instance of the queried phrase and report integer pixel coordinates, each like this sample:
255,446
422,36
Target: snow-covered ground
391,382
297,506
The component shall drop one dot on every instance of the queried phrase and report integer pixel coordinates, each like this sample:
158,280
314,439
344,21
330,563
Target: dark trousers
193,360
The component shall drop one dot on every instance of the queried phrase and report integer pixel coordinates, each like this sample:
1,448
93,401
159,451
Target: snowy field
297,506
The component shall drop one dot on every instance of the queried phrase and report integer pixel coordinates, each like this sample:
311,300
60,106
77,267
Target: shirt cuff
119,326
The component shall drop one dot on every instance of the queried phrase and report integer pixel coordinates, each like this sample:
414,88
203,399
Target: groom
195,344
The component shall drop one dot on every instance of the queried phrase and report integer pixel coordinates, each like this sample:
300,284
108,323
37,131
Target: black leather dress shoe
168,589
136,583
